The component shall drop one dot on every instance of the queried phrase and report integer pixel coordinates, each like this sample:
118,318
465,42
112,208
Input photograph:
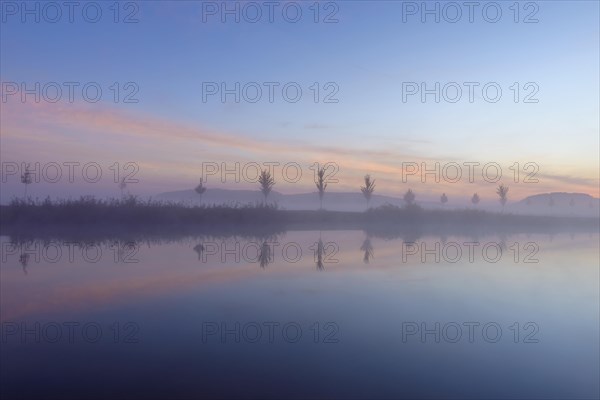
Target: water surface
322,314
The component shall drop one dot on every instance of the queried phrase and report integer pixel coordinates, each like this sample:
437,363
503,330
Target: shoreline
263,221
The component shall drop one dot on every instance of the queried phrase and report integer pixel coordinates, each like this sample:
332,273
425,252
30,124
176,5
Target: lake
334,314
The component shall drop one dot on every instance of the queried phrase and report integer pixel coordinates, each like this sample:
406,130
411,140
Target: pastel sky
171,54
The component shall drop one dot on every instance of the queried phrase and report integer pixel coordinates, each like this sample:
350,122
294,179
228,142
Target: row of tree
266,182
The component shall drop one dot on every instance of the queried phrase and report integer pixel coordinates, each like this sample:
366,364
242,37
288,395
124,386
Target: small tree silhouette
502,192
572,204
551,202
475,199
266,183
444,198
321,185
409,197
122,186
26,179
368,189
200,189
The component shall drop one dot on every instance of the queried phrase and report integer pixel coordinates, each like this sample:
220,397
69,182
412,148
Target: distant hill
351,201
561,203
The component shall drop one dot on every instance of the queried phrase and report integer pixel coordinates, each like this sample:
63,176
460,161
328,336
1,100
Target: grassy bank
93,215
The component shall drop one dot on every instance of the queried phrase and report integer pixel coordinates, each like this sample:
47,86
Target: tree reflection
319,252
265,255
199,249
367,248
24,261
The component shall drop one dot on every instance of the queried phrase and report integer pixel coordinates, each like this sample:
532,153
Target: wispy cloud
173,150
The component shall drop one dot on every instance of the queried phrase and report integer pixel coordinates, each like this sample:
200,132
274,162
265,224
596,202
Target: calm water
349,317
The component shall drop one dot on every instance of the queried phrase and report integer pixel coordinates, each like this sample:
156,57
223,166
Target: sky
361,68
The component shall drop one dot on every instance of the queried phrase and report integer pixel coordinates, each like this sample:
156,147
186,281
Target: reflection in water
367,248
320,251
24,260
502,243
265,255
170,295
199,249
265,249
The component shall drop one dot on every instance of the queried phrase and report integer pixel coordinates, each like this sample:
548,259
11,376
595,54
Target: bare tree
444,198
502,192
475,199
266,183
409,197
26,179
321,184
368,189
200,189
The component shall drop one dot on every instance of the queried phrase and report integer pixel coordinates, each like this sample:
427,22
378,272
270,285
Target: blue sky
367,54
